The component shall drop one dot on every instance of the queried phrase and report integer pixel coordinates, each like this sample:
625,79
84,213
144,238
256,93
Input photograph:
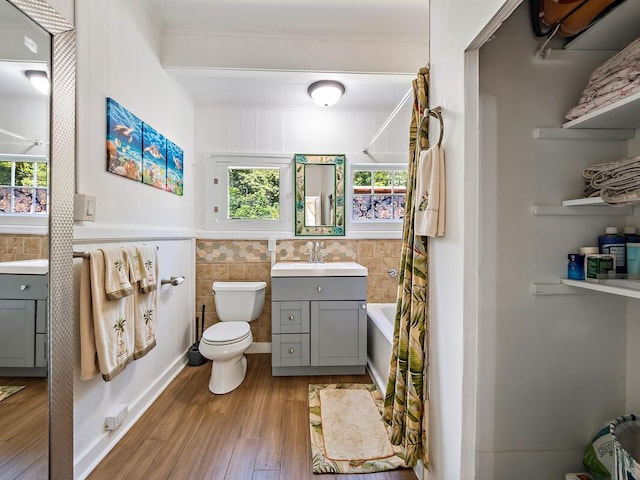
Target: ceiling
349,20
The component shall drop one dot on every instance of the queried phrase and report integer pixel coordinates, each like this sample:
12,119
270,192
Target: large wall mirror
38,133
319,195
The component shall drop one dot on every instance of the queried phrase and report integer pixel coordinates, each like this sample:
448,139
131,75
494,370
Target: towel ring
437,114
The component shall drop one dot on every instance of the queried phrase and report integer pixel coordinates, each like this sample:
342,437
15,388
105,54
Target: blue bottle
613,243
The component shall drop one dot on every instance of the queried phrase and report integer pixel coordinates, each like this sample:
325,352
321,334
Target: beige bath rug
347,431
6,391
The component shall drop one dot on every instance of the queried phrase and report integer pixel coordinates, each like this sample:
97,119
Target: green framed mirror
319,195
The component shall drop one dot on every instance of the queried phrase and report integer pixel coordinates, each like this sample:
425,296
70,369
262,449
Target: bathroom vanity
319,318
24,287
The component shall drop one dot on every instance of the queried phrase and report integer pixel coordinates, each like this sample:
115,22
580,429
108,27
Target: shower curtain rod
15,135
365,150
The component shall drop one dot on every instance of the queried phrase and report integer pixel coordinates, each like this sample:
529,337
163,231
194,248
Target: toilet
237,304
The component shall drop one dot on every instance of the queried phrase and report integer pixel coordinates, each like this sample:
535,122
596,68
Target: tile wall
249,260
23,247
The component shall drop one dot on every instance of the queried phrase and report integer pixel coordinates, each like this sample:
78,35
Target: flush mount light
39,80
326,92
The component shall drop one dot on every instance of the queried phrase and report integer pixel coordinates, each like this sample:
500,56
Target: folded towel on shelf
116,273
429,195
615,79
146,308
112,320
617,183
148,258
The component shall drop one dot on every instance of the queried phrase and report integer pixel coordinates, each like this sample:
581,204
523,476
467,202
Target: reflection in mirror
320,190
25,50
62,155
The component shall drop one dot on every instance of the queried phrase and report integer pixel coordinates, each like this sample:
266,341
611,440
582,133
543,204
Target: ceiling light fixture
326,92
39,80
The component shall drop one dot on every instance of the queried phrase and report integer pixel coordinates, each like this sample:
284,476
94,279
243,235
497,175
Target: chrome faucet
315,255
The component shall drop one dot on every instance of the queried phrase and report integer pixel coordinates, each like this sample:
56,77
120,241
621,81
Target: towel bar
86,254
173,281
437,114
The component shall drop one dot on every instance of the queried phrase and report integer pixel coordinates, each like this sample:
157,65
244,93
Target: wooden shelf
625,288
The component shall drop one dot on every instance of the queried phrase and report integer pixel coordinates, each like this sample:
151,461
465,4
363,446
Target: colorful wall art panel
154,158
124,141
175,174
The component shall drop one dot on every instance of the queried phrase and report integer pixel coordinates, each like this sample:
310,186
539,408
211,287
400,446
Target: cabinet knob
290,317
24,287
364,305
319,289
291,350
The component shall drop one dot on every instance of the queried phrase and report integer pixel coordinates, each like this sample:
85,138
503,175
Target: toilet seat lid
238,286
223,333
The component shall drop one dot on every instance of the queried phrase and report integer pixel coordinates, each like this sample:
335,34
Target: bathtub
380,318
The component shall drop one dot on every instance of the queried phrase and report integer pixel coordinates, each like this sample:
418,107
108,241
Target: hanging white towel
146,307
148,257
113,322
88,355
429,195
116,273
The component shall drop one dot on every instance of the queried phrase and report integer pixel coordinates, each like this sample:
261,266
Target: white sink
26,267
329,269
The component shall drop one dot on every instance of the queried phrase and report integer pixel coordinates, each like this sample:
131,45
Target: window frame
218,193
372,224
12,218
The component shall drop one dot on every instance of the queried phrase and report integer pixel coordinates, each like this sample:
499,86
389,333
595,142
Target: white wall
118,58
285,131
454,279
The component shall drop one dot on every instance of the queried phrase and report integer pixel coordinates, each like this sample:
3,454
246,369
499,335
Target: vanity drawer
290,317
318,288
23,287
290,350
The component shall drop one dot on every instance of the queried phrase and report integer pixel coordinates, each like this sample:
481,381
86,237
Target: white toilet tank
239,301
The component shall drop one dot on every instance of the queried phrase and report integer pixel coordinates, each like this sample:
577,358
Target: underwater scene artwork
124,141
175,175
154,158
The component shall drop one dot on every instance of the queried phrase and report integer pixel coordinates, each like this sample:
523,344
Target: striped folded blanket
617,183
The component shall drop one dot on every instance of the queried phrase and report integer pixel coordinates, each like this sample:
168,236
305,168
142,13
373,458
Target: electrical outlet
116,416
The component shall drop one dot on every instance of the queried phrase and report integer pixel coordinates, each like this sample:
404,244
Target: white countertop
26,267
328,269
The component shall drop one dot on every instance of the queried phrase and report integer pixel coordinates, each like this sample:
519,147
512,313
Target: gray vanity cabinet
319,325
23,325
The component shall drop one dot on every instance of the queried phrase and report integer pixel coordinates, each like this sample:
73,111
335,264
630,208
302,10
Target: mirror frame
338,227
61,187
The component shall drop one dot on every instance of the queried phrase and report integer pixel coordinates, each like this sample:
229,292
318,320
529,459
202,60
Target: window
254,193
378,193
248,193
24,185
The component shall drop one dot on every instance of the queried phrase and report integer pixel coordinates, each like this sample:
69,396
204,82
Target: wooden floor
260,431
24,430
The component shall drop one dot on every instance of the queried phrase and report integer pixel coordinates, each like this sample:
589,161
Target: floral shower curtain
406,401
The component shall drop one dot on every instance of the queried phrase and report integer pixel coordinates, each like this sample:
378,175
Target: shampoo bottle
633,252
613,244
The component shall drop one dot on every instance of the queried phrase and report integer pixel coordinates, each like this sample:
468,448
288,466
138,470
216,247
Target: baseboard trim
88,460
260,347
